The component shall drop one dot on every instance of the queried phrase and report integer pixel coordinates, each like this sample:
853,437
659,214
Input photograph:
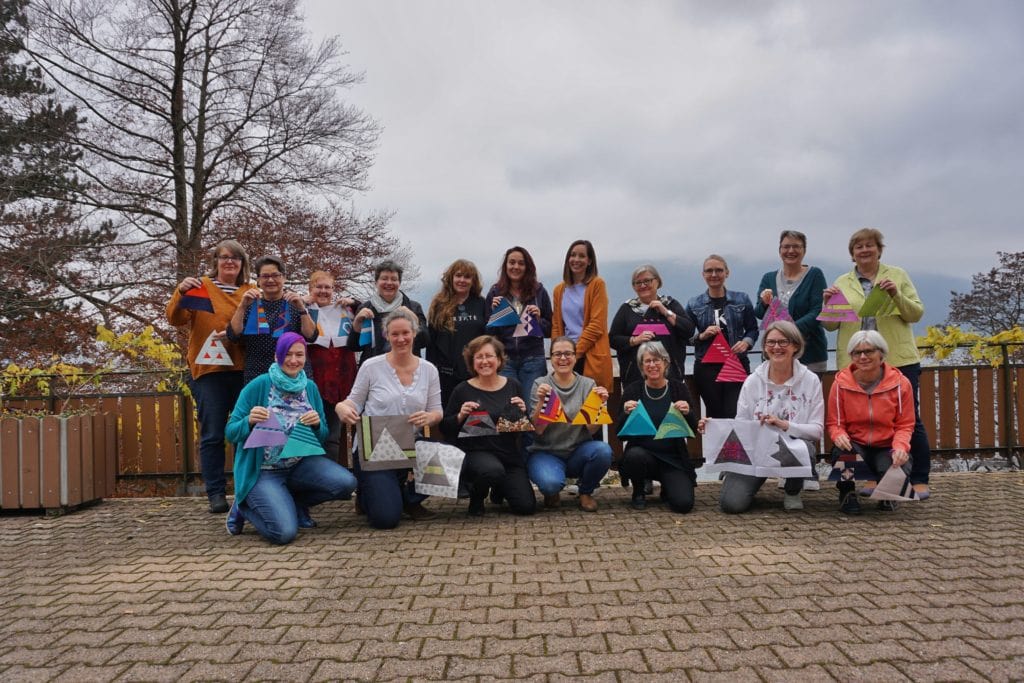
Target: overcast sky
663,131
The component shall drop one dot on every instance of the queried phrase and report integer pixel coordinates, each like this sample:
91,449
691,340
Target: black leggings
483,471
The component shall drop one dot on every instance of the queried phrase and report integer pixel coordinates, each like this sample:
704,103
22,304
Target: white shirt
377,390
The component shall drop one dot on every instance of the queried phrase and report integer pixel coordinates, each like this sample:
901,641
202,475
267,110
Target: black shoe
639,502
218,504
849,505
305,520
476,507
888,505
648,487
496,497
417,512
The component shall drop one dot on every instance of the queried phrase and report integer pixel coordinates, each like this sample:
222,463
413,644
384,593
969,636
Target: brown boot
417,512
587,503
553,501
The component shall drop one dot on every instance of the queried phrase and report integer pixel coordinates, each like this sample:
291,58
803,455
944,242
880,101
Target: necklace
655,398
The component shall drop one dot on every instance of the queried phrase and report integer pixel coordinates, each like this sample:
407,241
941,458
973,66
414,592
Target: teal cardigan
248,461
804,307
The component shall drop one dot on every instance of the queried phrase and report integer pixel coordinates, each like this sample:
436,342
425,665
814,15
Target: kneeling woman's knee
600,453
732,506
283,534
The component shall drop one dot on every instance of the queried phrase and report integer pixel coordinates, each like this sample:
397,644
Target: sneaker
922,491
305,521
218,504
417,512
553,501
888,505
639,502
849,505
235,521
792,501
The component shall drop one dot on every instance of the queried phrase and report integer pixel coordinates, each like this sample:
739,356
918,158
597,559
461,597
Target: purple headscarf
285,342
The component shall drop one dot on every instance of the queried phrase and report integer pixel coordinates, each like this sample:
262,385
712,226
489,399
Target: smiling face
462,283
294,360
867,360
792,251
715,273
646,286
653,367
485,361
271,281
578,262
563,357
779,349
322,291
515,266
229,264
388,284
867,254
400,335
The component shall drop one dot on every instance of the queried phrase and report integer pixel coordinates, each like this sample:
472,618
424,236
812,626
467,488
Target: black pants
719,397
677,483
483,471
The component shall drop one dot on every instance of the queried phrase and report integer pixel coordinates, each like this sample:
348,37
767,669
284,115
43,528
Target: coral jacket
883,418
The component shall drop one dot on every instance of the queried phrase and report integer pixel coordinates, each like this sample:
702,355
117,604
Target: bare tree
996,300
195,108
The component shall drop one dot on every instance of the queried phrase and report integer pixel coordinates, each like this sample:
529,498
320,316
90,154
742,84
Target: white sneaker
792,502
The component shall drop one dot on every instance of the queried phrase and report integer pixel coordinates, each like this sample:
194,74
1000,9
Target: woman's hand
639,339
843,443
741,346
518,402
702,423
258,414
683,407
899,458
295,300
602,392
347,412
189,283
532,310
773,421
710,331
467,408
766,296
310,418
829,292
889,286
422,418
363,315
629,406
346,301
251,295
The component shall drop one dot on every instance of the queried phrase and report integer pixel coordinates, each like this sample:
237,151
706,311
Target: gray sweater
561,439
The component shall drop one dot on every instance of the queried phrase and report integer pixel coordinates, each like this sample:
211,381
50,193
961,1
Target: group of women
472,368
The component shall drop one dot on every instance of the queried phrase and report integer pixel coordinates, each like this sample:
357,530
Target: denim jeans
920,450
270,505
588,463
215,395
525,370
383,494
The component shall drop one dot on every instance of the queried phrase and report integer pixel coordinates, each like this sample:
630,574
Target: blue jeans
270,505
920,450
588,463
525,370
383,494
215,395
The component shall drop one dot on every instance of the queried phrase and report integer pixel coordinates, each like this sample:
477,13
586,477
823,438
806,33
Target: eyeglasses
652,361
646,282
236,259
862,352
271,276
485,356
714,271
781,343
563,354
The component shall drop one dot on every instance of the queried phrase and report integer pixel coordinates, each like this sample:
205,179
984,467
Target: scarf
383,307
284,383
641,308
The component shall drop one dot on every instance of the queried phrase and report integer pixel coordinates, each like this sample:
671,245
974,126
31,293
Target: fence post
1008,402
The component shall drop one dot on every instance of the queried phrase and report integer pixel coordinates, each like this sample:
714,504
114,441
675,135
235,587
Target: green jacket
248,461
895,319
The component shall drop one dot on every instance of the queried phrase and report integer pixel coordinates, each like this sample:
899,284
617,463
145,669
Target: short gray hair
873,337
790,331
652,348
646,268
402,313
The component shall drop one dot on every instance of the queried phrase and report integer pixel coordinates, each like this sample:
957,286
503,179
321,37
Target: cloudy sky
663,131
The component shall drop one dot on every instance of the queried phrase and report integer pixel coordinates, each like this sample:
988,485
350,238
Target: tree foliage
996,300
200,113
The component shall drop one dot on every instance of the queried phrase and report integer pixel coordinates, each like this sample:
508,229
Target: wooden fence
967,411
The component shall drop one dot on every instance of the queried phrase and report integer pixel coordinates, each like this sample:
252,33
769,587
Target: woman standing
517,282
494,461
870,413
394,383
388,278
645,457
562,450
334,367
272,492
581,313
215,388
457,315
894,320
278,310
782,394
650,308
798,287
720,311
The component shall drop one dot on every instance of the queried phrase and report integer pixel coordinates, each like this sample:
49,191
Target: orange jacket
201,324
593,343
883,418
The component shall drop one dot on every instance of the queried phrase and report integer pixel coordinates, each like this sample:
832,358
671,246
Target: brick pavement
154,589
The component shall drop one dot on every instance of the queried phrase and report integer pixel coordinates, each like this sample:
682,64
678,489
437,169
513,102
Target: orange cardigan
593,342
201,324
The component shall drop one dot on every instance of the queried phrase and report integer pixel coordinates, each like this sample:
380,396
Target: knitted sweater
202,323
593,345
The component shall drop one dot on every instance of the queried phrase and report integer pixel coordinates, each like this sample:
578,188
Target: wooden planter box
57,462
